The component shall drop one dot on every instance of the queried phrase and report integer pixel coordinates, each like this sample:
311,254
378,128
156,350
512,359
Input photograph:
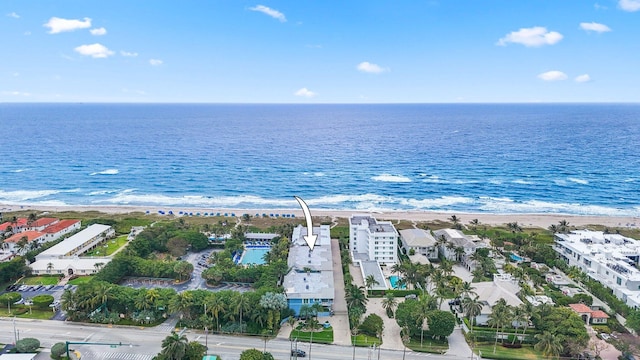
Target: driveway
340,319
391,332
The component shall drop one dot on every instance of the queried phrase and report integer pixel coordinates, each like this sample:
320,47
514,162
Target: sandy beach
526,220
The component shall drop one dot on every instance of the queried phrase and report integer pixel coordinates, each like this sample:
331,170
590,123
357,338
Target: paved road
146,342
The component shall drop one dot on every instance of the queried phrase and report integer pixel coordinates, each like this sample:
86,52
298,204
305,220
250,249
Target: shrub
57,350
10,297
42,301
27,345
372,325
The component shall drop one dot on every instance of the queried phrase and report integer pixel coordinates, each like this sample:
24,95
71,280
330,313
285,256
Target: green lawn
112,246
81,280
35,313
40,280
524,353
429,345
365,340
324,337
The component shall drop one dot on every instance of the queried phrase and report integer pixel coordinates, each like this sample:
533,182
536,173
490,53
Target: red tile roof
599,314
63,224
31,235
20,222
580,308
43,222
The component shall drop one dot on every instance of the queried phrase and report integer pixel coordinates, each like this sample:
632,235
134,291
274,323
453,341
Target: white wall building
455,239
610,259
63,257
311,277
373,240
421,241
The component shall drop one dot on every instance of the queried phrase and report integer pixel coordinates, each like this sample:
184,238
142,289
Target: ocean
487,158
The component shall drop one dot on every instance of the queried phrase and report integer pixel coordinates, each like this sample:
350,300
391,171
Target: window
619,281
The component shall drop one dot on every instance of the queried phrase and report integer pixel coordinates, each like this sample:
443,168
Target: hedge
396,293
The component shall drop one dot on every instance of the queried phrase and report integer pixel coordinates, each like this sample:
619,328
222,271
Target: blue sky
320,51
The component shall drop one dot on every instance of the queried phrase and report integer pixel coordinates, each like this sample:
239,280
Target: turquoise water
487,158
254,256
393,280
516,257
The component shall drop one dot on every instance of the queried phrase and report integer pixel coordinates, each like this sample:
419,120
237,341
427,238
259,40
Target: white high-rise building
370,239
610,259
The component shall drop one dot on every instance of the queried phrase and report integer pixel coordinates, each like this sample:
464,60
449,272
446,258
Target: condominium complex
610,259
310,280
373,240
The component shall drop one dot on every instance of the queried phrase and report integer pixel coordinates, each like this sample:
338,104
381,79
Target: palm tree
181,303
102,294
98,265
370,281
514,227
563,226
152,296
22,244
389,304
467,289
474,224
140,301
549,344
216,305
355,297
455,220
174,347
459,251
471,308
499,318
553,228
241,305
31,219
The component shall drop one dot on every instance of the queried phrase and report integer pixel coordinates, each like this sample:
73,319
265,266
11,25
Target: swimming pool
254,255
515,257
393,280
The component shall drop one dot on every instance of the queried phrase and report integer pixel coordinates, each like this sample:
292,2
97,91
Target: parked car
298,353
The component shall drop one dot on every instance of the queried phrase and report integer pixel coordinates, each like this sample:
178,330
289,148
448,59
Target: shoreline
526,220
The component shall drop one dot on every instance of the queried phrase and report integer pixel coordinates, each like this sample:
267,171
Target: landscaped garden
40,280
108,247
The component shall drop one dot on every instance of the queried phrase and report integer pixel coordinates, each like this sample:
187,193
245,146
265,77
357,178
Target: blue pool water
393,280
515,257
254,255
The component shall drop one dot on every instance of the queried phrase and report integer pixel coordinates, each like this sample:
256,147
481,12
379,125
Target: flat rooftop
374,225
317,283
417,238
74,241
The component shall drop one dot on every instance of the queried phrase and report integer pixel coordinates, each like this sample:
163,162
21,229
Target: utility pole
15,333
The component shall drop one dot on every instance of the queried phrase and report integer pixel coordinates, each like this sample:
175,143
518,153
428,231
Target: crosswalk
90,355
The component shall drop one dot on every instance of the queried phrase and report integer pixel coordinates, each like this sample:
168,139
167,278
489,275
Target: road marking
88,337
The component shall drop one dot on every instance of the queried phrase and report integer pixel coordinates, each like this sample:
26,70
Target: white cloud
58,25
16,93
583,78
128,54
553,75
629,5
599,7
94,50
594,26
16,74
13,15
531,37
304,92
98,31
269,11
155,62
368,67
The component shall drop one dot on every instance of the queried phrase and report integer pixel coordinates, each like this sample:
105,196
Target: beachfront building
13,227
14,245
260,237
41,224
61,228
420,241
503,286
456,246
373,240
63,258
310,280
610,259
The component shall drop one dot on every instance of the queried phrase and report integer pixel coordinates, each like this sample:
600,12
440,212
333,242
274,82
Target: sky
320,51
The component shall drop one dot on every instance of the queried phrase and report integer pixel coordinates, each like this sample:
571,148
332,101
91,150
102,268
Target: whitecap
19,196
391,178
443,201
318,173
106,172
578,181
522,182
19,170
434,179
